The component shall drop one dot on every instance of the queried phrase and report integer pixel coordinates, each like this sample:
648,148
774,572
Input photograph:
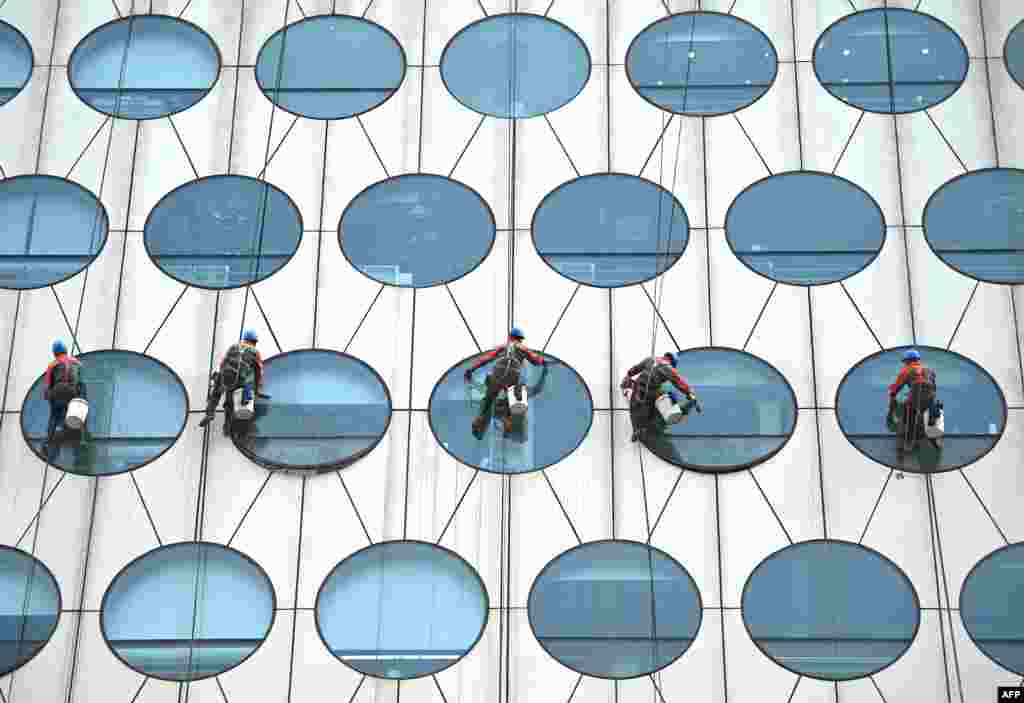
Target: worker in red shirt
508,361
642,386
921,382
62,383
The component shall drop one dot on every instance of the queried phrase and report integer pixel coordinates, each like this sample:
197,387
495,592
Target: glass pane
223,232
15,62
749,413
402,610
1014,53
615,609
929,61
558,416
515,65
330,67
610,230
992,607
136,412
805,228
974,413
701,63
975,223
326,410
144,67
417,230
30,606
831,610
187,611
50,229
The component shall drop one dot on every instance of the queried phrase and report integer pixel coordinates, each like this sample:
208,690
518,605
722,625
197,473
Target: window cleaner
62,387
910,415
508,361
239,378
651,389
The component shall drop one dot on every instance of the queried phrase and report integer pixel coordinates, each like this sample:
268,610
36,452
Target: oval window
615,609
416,231
559,413
402,610
30,606
975,223
1013,54
831,610
187,611
223,232
610,230
330,67
891,61
991,603
515,65
52,229
805,228
701,63
144,66
15,62
900,436
749,413
326,411
136,411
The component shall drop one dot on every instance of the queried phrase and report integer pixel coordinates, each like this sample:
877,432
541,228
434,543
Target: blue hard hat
516,333
674,358
911,355
250,336
59,347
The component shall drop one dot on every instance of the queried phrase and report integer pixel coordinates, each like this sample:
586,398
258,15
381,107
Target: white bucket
78,411
669,409
243,411
517,402
936,430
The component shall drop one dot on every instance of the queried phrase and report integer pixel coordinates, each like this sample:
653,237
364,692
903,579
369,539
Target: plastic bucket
517,401
936,430
668,409
78,411
243,411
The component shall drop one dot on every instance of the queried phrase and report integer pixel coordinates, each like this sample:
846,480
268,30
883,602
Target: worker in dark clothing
240,367
62,383
508,361
920,380
643,385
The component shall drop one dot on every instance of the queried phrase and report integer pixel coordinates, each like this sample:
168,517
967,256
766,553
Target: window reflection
992,607
326,411
30,605
187,611
558,418
830,610
615,609
15,62
137,409
1013,53
974,411
749,413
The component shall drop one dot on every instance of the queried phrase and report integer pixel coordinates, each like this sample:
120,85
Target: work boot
507,424
206,421
479,425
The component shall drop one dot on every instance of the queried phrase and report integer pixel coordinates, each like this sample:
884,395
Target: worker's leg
229,412
640,415
58,413
480,421
212,401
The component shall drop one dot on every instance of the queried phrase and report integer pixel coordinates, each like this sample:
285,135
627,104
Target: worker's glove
263,396
468,376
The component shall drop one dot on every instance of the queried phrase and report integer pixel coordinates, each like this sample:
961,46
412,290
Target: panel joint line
963,315
266,321
657,143
848,140
664,506
760,315
373,146
984,507
862,317
461,315
792,693
145,507
468,143
40,511
753,145
562,145
270,474
352,502
181,141
67,322
365,315
458,505
770,506
85,149
166,318
943,135
878,501
565,309
561,506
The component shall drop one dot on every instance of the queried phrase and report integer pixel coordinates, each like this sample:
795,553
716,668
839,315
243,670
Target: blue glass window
223,232
327,410
749,413
974,414
992,606
515,65
610,230
187,611
137,410
402,610
830,610
559,413
330,67
615,609
1013,54
892,61
15,62
417,230
30,607
701,63
975,223
805,228
144,67
50,229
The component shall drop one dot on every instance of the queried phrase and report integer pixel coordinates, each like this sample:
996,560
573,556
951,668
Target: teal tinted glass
992,607
15,62
30,606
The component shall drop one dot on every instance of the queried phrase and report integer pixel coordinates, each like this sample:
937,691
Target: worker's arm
483,359
680,383
533,357
47,381
901,380
627,381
